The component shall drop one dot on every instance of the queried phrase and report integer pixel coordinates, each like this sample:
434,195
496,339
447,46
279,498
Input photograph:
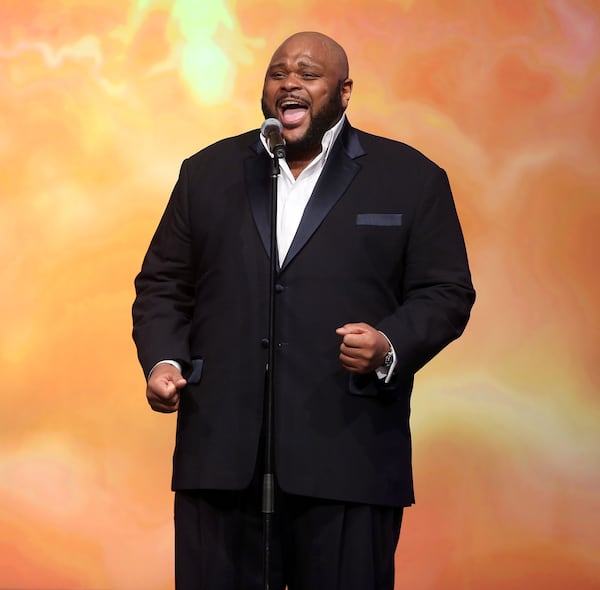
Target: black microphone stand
268,489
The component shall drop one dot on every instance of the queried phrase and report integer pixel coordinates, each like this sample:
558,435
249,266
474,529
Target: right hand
162,390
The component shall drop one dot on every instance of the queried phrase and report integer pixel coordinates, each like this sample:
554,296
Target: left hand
363,348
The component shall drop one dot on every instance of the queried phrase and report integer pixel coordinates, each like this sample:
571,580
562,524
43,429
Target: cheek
268,91
321,97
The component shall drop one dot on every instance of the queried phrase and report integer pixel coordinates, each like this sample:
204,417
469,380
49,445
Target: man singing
372,281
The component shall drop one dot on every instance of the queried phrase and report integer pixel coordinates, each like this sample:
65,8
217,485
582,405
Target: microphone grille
269,124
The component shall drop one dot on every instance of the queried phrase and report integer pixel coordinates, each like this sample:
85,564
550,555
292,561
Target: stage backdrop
99,103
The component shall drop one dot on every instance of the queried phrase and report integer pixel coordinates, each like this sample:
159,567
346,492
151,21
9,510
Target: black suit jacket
379,242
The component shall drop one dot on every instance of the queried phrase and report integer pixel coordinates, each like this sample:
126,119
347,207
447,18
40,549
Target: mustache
292,96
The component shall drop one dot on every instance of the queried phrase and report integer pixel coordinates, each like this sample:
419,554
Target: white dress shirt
293,193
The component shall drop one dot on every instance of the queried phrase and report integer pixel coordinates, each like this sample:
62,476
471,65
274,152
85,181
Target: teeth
292,104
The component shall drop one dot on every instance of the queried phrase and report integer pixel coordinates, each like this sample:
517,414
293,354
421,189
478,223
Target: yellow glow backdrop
99,103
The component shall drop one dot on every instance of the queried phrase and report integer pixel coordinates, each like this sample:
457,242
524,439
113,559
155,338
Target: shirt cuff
167,362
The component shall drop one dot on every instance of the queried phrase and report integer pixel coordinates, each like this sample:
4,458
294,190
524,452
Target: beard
323,120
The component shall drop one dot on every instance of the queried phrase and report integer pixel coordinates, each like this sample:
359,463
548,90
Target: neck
298,161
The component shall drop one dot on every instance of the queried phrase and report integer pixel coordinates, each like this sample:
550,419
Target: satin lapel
256,170
339,171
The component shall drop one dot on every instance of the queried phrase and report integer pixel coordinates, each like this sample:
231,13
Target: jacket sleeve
436,292
164,301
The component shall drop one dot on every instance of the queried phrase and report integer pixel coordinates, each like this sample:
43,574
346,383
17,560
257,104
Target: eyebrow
308,64
302,64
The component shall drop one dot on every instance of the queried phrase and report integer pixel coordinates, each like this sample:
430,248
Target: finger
361,351
161,398
163,409
165,387
350,354
161,404
365,342
352,342
358,328
164,393
355,362
353,366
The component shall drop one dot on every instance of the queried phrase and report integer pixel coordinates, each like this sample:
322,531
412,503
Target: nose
290,82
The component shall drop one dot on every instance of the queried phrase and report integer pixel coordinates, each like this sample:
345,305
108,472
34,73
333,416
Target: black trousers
316,544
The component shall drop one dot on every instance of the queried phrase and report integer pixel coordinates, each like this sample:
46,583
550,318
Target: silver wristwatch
388,360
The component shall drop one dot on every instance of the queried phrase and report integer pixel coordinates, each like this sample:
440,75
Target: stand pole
268,489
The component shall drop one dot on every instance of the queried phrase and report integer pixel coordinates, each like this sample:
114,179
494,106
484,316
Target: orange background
99,103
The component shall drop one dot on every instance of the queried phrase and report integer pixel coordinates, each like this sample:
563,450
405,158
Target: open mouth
292,111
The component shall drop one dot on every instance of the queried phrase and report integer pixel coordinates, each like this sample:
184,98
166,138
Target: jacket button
264,343
279,288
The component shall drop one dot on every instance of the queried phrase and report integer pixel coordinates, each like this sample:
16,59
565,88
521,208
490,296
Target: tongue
292,116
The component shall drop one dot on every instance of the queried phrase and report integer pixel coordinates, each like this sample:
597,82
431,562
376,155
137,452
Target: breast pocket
381,240
379,219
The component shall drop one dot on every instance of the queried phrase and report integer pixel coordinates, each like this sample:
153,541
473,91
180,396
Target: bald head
331,50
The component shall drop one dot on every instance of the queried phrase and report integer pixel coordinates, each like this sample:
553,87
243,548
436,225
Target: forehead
303,49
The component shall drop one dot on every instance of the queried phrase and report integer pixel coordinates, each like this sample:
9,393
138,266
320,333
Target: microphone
272,129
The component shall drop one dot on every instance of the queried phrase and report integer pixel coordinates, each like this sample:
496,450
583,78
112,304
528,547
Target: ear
346,91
